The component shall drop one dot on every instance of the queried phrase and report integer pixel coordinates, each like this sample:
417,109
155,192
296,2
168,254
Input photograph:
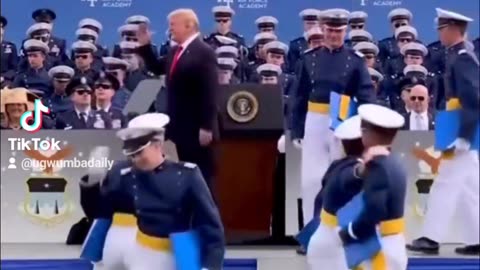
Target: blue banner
112,14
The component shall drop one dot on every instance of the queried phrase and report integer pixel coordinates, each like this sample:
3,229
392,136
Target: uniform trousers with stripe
319,149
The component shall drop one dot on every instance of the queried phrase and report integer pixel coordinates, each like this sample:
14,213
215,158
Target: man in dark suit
419,118
192,83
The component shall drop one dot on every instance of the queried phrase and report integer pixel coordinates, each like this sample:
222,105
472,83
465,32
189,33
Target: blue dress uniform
222,15
357,20
97,27
77,119
226,67
458,172
370,54
395,65
476,44
264,24
85,49
88,35
135,74
166,46
310,18
388,47
357,36
108,82
377,80
59,102
172,198
276,53
128,32
233,53
322,71
315,39
115,202
34,78
340,184
260,40
8,56
116,66
384,193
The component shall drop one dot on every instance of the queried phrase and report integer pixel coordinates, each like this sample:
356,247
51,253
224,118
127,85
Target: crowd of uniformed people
90,79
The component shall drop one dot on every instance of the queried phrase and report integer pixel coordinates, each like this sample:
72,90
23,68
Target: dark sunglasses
222,20
103,86
369,56
356,26
131,39
414,98
81,56
405,40
41,38
397,25
83,92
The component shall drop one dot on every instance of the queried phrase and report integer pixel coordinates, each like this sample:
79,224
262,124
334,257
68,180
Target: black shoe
473,250
425,246
301,251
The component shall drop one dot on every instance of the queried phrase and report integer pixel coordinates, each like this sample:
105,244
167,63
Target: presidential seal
242,107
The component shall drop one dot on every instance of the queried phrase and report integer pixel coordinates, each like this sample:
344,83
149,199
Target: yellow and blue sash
342,107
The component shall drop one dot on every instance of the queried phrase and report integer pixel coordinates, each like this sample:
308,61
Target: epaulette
361,55
125,171
307,51
311,50
189,165
462,51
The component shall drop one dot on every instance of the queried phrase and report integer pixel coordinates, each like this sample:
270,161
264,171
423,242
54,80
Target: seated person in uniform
403,36
36,75
223,18
136,71
83,52
357,20
419,74
82,116
118,68
225,68
269,74
315,38
276,53
97,27
356,36
105,86
15,102
377,79
265,24
233,53
58,102
260,55
370,53
88,35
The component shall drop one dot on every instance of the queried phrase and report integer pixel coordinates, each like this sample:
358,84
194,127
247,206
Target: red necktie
176,57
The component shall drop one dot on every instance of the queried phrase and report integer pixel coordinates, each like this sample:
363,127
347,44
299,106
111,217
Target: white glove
297,143
281,144
460,145
97,174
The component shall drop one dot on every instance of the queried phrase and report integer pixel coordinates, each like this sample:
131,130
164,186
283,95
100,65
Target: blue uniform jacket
58,104
295,51
322,71
476,44
121,97
117,51
70,120
385,186
461,82
175,198
135,77
9,60
339,186
34,79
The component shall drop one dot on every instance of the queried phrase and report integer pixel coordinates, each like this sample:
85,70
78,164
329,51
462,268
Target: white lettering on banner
381,3
110,3
253,4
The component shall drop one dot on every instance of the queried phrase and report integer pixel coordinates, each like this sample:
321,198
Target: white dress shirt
105,109
419,121
187,42
87,113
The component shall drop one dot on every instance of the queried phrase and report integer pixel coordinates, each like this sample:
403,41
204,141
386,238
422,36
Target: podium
251,122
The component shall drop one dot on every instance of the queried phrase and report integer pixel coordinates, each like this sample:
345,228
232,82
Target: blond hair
188,15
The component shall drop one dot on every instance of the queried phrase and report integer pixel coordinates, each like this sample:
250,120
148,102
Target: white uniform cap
381,116
86,32
357,16
310,14
141,126
272,69
38,27
266,20
61,69
415,68
315,31
227,62
223,10
263,36
276,47
225,40
230,50
400,14
137,19
366,47
128,28
85,45
37,45
450,15
115,61
128,45
336,18
90,22
360,33
374,73
349,129
414,46
406,29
